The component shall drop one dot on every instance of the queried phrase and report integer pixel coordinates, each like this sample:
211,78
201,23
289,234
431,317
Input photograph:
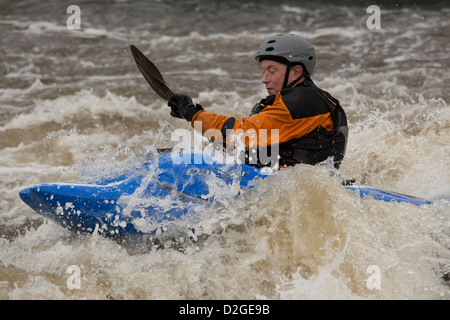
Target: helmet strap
286,77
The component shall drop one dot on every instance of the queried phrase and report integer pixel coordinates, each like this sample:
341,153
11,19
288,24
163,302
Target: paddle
152,74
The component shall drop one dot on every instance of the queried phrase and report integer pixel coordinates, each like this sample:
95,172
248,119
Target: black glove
174,111
183,107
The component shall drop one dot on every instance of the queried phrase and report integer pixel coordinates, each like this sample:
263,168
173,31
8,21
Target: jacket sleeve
273,125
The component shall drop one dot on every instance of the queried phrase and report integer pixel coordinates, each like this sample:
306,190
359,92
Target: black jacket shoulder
304,101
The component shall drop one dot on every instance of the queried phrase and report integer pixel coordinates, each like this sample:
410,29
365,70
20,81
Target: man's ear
298,69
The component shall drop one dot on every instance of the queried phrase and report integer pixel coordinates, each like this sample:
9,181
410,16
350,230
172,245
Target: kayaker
297,122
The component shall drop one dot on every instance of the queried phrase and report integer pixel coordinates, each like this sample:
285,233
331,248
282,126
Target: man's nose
265,78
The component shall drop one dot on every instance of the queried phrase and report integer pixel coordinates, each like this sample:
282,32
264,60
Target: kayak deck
156,196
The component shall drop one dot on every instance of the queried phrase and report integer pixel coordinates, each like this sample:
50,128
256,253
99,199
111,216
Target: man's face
273,75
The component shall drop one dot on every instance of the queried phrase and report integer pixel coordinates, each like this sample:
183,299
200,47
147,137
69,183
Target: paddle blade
151,74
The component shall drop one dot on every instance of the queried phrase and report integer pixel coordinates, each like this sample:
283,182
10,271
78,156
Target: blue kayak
163,191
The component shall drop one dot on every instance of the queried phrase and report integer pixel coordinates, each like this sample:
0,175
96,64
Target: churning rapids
74,107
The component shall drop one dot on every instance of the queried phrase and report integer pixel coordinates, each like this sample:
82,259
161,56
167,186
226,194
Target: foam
301,235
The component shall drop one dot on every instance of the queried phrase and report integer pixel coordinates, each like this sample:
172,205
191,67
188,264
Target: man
303,123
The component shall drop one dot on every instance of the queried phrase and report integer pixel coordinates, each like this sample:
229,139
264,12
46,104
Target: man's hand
183,107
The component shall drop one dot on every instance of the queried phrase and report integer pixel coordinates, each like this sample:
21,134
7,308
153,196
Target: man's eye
268,71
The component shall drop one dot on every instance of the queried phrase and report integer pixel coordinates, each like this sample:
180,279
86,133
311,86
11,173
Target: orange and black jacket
304,123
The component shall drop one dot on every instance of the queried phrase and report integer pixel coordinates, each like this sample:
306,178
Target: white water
79,109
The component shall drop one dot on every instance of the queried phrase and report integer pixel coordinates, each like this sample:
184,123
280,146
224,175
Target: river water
73,103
